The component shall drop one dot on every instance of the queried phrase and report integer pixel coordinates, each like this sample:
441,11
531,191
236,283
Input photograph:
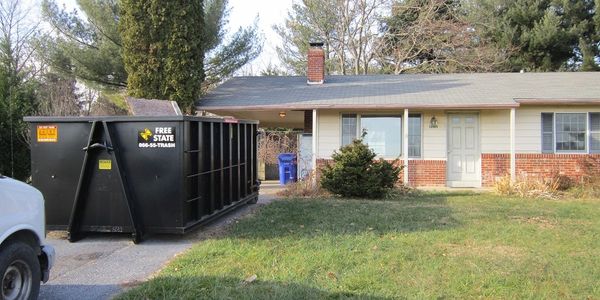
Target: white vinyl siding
529,125
495,131
329,132
434,139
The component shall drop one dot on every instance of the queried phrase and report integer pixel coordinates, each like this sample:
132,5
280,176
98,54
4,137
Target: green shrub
356,173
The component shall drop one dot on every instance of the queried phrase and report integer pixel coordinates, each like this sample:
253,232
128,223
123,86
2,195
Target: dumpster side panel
163,174
153,174
55,166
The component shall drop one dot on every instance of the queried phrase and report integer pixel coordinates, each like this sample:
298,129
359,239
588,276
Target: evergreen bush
356,173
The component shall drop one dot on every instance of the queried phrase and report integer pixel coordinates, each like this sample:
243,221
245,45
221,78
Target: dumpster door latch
98,146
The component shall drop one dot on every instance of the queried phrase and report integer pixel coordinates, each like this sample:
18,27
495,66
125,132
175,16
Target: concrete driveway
100,266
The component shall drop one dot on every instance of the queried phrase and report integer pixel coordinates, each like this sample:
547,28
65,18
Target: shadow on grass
210,287
315,217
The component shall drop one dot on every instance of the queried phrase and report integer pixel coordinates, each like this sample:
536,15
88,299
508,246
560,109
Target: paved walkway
100,266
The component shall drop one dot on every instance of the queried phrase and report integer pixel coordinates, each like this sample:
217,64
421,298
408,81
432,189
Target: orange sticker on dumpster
47,133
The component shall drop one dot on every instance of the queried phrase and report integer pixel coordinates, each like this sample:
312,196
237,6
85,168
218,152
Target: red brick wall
493,167
576,166
420,172
316,65
427,172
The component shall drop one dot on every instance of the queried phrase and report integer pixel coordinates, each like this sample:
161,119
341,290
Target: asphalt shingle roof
411,90
152,107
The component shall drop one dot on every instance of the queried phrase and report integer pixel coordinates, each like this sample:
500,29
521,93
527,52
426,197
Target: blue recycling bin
287,168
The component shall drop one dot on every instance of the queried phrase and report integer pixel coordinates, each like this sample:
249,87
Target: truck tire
20,272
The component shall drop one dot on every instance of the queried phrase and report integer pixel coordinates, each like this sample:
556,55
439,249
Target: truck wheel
20,272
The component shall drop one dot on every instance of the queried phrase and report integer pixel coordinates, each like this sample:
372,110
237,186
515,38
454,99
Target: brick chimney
316,63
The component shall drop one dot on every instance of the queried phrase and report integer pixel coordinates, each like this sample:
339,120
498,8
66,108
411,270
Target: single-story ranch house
456,130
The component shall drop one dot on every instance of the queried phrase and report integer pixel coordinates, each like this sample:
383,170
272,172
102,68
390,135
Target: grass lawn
437,245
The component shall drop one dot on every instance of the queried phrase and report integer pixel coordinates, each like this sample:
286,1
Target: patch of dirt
88,256
131,284
541,222
486,251
57,235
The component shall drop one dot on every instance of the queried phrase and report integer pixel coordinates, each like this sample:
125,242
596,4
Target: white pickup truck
25,258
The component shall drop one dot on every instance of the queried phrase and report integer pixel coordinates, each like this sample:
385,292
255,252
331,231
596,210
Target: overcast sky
243,13
270,12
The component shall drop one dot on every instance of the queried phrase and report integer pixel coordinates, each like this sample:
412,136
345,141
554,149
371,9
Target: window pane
595,132
414,136
547,133
570,132
595,122
383,134
348,128
595,142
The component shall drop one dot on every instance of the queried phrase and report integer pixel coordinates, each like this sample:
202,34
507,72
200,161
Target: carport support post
405,145
513,160
315,132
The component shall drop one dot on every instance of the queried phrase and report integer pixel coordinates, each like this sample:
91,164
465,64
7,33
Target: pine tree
162,49
18,87
88,44
549,35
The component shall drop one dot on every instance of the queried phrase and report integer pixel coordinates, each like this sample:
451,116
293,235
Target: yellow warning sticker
47,133
105,164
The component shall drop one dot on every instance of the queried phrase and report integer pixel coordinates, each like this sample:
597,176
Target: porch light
282,114
433,123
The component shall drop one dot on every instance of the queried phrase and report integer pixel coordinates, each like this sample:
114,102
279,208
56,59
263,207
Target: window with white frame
570,132
348,128
383,133
414,135
594,132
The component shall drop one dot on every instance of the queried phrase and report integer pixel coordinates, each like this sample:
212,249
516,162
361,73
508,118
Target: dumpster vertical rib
221,170
200,204
73,227
136,220
230,169
252,155
212,167
245,160
239,179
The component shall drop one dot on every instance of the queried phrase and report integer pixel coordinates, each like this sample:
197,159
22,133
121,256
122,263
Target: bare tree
17,94
432,36
273,143
348,28
57,96
17,33
362,31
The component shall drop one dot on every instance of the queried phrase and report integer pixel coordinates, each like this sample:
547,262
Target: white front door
464,156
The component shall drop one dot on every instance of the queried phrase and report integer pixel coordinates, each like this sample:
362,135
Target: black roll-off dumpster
141,175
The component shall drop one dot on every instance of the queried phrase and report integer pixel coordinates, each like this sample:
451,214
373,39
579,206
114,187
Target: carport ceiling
292,119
